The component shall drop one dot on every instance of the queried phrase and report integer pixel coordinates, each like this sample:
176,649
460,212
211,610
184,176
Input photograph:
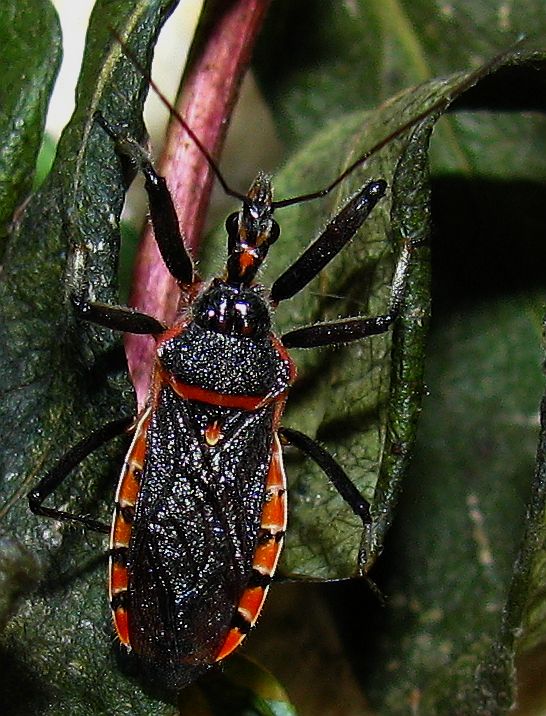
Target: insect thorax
228,346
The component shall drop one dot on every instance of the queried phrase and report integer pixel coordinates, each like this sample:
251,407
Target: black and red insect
200,510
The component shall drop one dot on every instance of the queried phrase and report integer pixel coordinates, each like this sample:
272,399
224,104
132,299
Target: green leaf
450,630
18,569
30,61
342,58
60,381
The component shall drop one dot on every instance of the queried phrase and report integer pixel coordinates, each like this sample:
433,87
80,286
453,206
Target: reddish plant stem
218,61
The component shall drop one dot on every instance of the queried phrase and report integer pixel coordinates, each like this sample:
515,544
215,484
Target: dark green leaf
30,61
451,556
318,59
59,381
18,572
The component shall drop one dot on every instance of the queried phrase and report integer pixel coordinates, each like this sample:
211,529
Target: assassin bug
200,510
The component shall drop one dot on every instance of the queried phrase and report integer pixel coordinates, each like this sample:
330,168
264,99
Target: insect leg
49,483
164,219
119,318
335,236
334,472
353,329
326,334
340,480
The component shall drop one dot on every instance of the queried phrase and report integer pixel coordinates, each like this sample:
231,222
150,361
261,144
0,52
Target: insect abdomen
195,532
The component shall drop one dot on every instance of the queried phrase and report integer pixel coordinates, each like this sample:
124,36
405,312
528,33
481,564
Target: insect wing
195,531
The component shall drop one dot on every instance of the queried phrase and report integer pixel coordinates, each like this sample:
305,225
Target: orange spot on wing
127,494
129,488
276,477
267,552
121,623
233,639
121,533
213,433
266,556
252,601
119,578
138,448
274,512
274,509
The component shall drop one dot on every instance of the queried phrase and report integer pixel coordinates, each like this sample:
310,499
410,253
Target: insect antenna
176,114
439,105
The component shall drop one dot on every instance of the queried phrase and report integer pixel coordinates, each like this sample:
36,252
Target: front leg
167,232
337,234
118,318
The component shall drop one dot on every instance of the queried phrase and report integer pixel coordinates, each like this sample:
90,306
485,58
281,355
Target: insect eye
232,223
